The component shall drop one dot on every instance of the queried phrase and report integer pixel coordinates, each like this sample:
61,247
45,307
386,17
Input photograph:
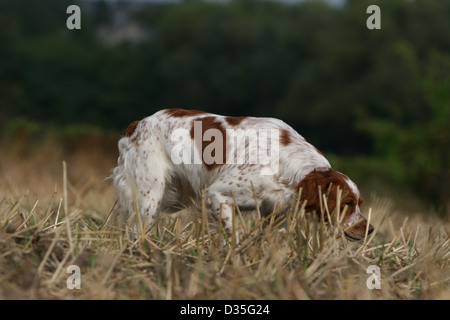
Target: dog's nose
358,230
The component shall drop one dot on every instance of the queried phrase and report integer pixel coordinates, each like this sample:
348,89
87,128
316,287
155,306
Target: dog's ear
310,191
311,184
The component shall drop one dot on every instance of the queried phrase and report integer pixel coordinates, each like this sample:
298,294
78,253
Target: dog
172,158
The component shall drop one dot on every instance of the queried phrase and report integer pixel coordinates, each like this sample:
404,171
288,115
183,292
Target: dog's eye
349,204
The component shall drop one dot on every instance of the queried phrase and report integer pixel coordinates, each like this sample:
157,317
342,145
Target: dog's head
354,224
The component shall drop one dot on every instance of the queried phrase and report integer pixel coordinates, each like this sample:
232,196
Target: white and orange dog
168,159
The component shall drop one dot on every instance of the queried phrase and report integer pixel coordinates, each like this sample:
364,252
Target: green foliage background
375,101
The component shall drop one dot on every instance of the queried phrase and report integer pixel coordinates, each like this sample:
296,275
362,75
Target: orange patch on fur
131,128
285,137
210,123
310,189
180,113
234,121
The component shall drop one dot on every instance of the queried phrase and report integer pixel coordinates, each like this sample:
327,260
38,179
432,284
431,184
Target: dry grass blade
66,206
278,256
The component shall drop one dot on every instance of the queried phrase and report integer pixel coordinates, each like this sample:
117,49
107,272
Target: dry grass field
49,221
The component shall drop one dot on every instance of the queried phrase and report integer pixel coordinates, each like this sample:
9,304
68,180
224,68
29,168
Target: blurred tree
102,13
417,154
315,66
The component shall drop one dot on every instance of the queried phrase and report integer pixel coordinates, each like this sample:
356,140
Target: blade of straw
66,210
